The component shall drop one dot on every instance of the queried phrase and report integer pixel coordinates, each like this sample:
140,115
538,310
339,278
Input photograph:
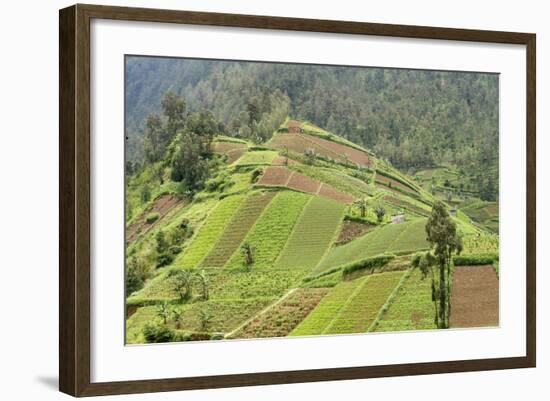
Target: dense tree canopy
415,119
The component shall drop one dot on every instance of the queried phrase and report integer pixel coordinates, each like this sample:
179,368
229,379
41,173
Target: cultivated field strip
298,144
282,176
313,234
344,152
362,307
270,233
283,317
226,315
474,297
403,237
257,158
236,230
209,232
321,317
412,308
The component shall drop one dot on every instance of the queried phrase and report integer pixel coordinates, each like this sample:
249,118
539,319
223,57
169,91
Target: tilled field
475,297
162,205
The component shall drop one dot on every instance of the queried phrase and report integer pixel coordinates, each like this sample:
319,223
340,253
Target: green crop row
362,308
272,229
313,234
395,238
236,230
412,308
318,320
209,232
282,318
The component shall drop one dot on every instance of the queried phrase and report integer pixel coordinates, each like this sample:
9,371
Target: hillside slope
274,224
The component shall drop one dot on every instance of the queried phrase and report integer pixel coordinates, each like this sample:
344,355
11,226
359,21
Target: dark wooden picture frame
74,199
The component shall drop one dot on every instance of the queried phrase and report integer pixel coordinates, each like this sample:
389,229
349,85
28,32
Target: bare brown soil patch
235,154
352,229
475,297
275,175
353,155
298,143
162,205
223,147
284,161
282,318
331,192
294,126
303,183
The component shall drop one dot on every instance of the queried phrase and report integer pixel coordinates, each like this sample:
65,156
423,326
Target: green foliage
152,217
445,241
380,213
314,232
187,163
366,264
145,194
156,333
475,259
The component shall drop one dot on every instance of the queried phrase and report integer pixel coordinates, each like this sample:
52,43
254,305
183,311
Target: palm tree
362,204
205,284
205,319
177,314
182,283
163,312
248,252
380,213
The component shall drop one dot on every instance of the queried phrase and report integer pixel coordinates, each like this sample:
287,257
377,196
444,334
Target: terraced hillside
276,243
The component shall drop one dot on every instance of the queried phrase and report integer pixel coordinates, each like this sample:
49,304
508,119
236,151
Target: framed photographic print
250,200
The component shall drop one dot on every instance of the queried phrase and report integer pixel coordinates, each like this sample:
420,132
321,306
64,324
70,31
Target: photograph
268,200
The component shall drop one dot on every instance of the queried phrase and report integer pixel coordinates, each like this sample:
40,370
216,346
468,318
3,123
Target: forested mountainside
415,119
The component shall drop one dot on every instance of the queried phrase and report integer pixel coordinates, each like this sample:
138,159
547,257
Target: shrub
174,250
217,336
164,259
156,333
475,259
152,217
369,263
255,175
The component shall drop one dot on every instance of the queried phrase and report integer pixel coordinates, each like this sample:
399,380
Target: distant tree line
415,119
